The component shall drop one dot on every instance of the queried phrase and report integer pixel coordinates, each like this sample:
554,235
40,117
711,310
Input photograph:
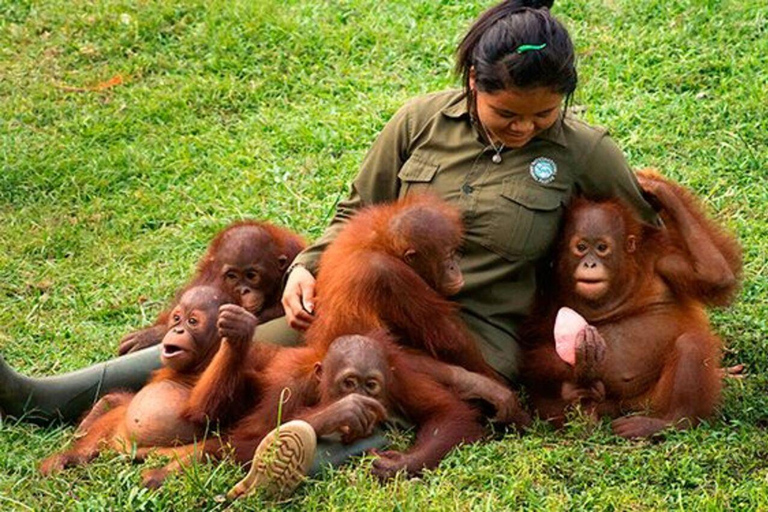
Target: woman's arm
376,182
606,174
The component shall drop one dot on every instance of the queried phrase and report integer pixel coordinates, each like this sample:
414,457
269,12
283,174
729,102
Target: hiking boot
281,461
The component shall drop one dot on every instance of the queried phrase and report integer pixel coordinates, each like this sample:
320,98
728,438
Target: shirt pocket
526,221
415,176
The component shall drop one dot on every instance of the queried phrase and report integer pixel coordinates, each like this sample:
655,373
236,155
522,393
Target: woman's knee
278,332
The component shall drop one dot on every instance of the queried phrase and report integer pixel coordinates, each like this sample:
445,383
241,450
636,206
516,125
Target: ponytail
518,44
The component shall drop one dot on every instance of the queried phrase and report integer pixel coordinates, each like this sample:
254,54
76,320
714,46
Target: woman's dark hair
491,44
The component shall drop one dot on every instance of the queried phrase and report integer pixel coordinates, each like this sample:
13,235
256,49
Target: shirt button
467,189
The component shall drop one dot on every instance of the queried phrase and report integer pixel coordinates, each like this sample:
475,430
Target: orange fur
363,284
442,419
270,248
661,356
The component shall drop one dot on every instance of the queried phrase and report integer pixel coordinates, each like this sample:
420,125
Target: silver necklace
496,158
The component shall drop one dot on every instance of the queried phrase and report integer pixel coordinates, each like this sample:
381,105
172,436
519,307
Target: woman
506,154
502,149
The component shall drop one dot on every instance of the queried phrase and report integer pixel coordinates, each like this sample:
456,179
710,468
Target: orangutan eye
252,274
176,318
231,275
192,321
602,247
581,247
349,384
372,387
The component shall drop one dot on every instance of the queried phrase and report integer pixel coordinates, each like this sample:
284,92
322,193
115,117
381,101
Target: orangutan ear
631,244
318,371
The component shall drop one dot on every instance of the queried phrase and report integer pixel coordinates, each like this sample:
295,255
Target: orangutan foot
635,427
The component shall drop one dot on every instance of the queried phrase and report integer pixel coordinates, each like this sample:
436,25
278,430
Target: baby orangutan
358,383
375,367
643,352
174,407
247,260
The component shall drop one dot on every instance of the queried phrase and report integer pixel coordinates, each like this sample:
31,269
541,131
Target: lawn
130,132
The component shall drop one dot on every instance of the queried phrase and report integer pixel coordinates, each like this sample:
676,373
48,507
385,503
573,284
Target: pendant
496,158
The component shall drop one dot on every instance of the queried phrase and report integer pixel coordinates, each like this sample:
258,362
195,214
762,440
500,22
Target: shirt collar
458,109
554,133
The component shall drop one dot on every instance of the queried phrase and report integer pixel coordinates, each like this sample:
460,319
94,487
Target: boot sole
280,463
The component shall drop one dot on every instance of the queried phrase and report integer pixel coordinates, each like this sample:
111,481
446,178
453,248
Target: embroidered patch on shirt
543,170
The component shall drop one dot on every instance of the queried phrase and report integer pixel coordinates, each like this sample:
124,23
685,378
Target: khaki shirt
511,218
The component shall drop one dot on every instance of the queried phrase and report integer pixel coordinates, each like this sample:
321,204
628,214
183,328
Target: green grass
234,109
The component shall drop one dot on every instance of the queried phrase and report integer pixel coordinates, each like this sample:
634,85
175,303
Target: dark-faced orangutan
183,396
392,267
358,383
247,260
647,347
361,381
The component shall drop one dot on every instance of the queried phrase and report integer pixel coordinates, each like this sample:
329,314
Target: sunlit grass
232,109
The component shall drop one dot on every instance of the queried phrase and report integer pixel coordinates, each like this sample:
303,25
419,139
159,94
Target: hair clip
529,47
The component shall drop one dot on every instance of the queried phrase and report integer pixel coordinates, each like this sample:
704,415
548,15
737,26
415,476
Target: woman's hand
299,298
